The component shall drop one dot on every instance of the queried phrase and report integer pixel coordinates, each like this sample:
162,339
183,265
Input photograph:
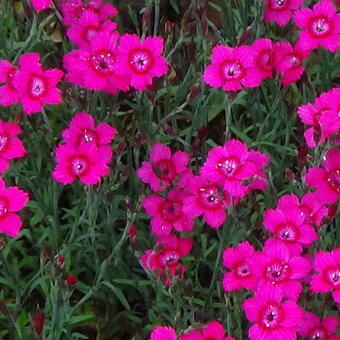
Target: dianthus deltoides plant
170,170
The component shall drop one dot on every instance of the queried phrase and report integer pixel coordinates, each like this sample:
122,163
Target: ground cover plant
169,169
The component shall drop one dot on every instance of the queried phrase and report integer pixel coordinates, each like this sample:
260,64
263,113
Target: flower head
164,167
280,11
273,318
40,5
86,162
163,333
263,56
212,331
327,266
320,26
12,200
240,274
11,147
36,87
326,180
232,69
141,60
8,93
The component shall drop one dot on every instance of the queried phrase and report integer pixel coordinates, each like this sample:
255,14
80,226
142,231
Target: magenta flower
164,260
167,213
164,167
94,67
232,69
280,11
326,180
273,318
163,333
40,5
86,162
311,207
288,62
320,26
275,266
237,261
141,60
87,27
11,147
290,227
12,200
212,331
8,93
82,130
73,9
312,327
322,116
233,166
263,56
207,199
36,86
327,266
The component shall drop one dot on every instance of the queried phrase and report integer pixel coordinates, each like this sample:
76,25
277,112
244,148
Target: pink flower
207,199
232,68
94,67
165,260
167,213
82,130
232,165
311,207
36,86
87,27
322,116
12,200
163,333
141,60
8,93
288,61
263,56
312,327
290,227
11,147
320,26
326,180
164,167
275,266
273,318
327,266
73,9
280,11
40,5
212,331
85,162
237,261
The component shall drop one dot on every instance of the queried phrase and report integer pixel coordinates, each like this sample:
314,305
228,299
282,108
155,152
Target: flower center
320,27
87,136
165,170
288,233
141,61
79,165
333,276
294,60
171,210
169,258
227,166
3,142
278,4
270,316
103,62
318,333
334,179
277,271
242,270
90,32
37,86
308,213
210,197
232,70
3,206
265,60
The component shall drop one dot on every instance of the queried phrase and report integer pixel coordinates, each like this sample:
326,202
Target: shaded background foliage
88,226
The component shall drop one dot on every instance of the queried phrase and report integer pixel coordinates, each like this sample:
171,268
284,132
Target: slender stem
155,27
47,123
227,103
